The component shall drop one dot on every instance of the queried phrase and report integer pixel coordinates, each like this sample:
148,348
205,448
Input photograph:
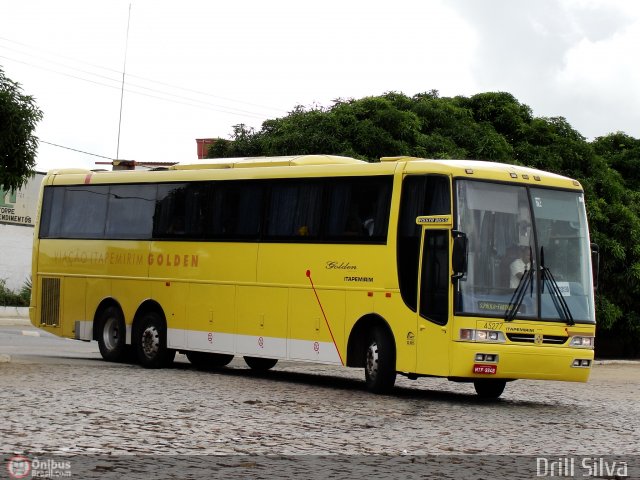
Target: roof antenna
124,69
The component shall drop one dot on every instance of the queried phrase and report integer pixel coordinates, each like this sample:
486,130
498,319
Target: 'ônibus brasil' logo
19,467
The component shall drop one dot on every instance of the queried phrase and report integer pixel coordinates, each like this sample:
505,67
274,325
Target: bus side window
170,210
130,211
52,211
358,209
85,211
294,210
235,211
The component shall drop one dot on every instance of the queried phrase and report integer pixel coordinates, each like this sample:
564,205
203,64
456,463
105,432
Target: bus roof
480,169
320,165
248,162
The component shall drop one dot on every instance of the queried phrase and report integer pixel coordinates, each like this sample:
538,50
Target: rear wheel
151,342
112,335
489,389
260,364
205,361
380,362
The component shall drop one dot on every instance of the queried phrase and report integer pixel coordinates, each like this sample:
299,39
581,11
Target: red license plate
485,369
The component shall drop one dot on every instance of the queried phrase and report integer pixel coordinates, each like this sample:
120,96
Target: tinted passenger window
235,210
131,211
51,215
170,211
84,211
358,209
294,210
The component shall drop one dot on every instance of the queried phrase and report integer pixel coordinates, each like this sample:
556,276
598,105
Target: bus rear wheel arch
150,340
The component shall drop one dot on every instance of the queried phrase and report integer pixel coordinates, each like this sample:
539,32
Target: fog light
490,358
479,357
581,363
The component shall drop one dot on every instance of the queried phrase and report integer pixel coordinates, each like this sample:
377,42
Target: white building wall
15,255
17,220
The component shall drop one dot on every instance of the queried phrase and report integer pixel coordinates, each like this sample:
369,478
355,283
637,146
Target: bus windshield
534,240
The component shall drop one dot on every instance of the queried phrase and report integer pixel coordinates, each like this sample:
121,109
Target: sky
195,68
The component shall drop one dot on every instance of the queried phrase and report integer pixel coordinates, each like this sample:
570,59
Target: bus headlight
473,335
583,342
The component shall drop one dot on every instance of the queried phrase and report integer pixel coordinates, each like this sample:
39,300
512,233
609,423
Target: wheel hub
372,363
111,333
150,342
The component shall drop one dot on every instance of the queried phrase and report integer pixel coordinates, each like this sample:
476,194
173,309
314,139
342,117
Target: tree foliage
487,126
18,118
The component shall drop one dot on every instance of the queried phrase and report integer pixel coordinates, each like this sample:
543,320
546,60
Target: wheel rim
111,333
373,361
150,341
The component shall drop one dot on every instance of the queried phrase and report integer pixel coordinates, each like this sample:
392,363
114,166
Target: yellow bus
473,271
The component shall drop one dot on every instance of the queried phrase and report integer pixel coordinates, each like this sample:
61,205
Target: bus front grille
50,302
530,338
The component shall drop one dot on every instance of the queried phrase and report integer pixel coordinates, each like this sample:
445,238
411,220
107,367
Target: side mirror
595,264
459,255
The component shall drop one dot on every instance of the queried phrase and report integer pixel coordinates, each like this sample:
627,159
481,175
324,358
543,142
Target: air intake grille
529,338
50,302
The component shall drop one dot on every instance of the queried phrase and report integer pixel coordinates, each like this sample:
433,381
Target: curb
616,362
14,312
11,321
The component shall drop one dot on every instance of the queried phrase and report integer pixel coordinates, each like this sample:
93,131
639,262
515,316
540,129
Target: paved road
58,397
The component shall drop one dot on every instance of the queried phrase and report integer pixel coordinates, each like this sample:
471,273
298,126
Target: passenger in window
519,266
177,226
369,226
353,225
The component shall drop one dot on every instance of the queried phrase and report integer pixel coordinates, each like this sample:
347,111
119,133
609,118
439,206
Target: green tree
18,118
622,152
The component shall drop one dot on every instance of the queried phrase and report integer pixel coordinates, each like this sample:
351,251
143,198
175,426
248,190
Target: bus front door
434,283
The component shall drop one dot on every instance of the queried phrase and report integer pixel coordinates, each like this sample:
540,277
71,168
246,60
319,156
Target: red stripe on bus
325,316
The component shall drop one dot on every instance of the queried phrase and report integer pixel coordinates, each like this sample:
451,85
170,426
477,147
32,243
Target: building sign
19,207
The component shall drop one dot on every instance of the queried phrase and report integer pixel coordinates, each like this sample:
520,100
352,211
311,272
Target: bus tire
112,335
260,364
151,342
379,362
206,361
489,389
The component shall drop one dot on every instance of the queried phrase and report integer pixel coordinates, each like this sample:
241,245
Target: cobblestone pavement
64,399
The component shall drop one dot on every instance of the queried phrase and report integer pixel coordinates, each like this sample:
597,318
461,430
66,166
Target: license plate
485,369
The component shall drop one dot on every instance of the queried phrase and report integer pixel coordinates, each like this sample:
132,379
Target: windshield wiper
518,295
556,294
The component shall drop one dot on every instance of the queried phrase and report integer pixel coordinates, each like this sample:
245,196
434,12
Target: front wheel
151,342
489,389
260,364
112,335
380,362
